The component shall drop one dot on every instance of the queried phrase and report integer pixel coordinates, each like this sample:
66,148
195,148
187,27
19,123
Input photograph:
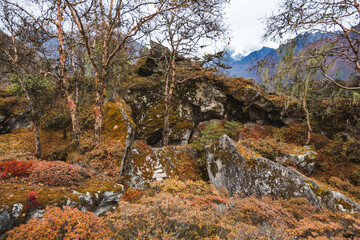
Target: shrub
31,201
14,168
132,195
212,132
57,173
64,223
195,210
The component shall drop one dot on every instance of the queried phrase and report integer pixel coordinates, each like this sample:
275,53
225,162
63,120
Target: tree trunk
169,88
307,117
37,139
74,117
65,81
98,110
64,136
166,129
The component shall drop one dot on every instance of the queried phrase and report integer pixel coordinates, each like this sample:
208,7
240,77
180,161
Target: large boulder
242,172
201,97
144,164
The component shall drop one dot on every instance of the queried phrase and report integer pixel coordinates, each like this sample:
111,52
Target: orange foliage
64,223
194,210
132,195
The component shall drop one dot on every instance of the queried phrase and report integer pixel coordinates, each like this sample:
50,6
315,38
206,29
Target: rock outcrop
145,164
203,96
241,172
98,202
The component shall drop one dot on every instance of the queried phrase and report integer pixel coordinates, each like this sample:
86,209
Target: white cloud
245,18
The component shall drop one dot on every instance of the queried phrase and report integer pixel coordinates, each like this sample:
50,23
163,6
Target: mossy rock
143,164
117,117
249,175
148,113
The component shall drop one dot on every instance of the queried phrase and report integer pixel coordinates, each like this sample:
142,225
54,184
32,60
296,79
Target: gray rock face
109,202
199,97
229,168
145,164
304,160
8,216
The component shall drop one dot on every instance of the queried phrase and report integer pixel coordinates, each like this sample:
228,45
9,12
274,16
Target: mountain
244,65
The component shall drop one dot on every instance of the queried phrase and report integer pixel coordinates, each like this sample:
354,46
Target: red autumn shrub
67,223
14,168
57,173
31,201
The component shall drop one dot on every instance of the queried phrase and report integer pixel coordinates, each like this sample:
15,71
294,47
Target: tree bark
37,139
65,81
169,88
98,110
307,116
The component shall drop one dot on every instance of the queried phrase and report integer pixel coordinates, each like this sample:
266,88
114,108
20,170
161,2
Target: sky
245,20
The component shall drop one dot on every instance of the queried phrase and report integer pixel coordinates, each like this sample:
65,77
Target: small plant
212,132
31,201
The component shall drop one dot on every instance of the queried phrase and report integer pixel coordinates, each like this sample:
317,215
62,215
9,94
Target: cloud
245,18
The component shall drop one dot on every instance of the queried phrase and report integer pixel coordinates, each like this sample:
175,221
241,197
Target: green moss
115,122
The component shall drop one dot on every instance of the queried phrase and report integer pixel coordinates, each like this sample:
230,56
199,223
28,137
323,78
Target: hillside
237,166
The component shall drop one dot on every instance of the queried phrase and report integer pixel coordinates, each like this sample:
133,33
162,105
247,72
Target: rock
6,221
303,159
110,201
12,122
240,172
203,96
8,216
36,213
144,164
99,203
209,99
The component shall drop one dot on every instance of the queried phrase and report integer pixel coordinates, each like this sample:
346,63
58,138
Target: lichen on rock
260,176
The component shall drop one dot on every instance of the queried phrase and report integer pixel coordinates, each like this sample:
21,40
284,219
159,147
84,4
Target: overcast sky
245,17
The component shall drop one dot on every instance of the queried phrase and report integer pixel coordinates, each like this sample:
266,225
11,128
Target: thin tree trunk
65,81
166,129
37,139
74,117
34,117
98,110
307,116
169,88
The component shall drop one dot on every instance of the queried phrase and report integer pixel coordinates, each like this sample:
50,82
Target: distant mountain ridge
243,66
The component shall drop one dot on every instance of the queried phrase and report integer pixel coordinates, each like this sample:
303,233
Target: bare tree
22,52
106,28
338,19
48,16
185,29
